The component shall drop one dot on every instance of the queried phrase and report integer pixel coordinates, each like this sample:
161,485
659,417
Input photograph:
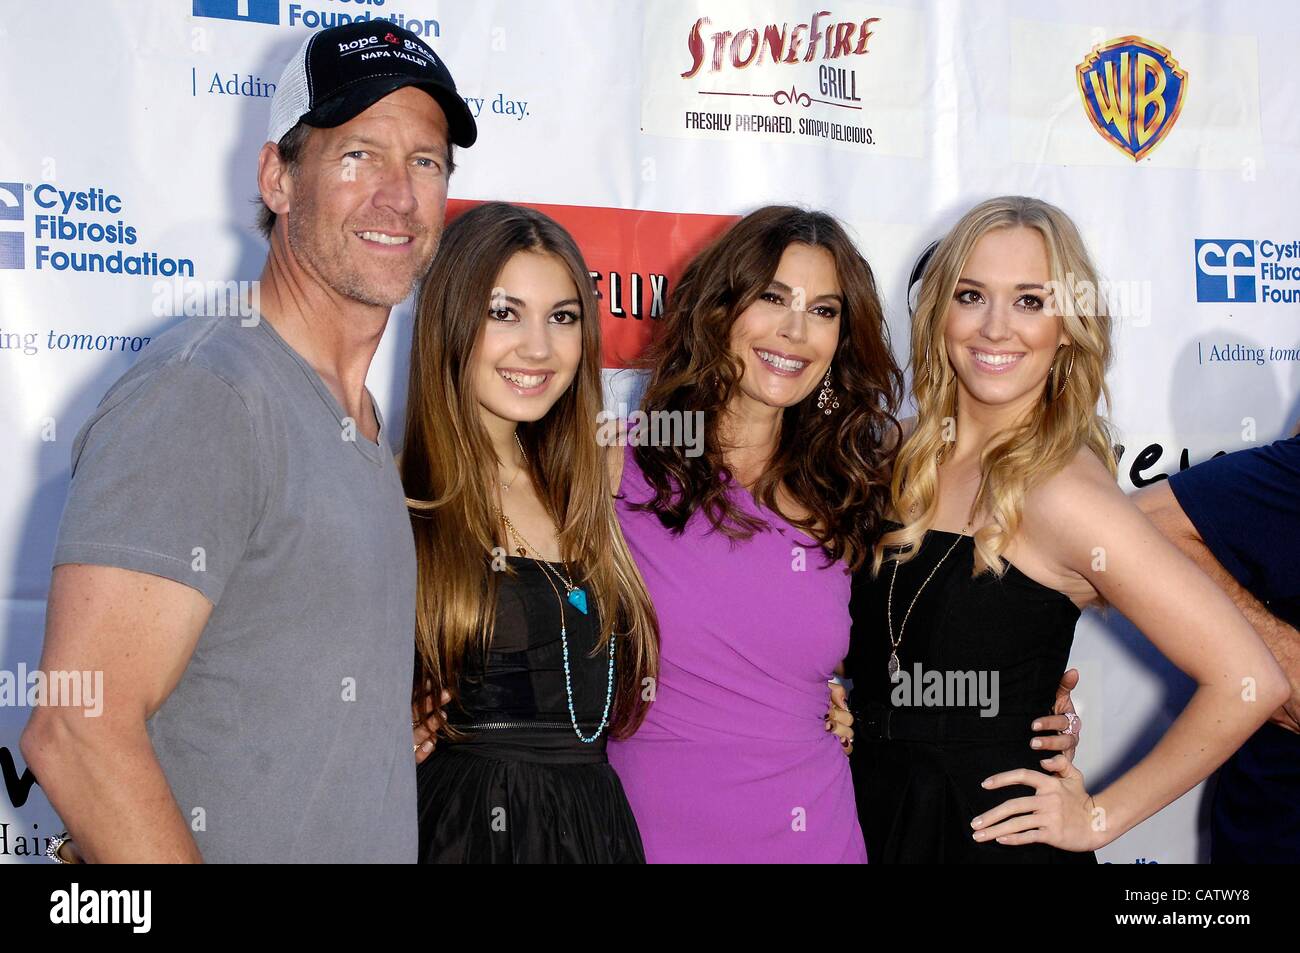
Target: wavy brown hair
833,465
449,467
1064,420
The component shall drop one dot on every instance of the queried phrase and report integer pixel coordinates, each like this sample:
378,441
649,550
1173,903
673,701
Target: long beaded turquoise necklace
578,599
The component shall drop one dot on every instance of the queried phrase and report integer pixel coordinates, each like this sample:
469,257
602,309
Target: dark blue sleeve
1246,507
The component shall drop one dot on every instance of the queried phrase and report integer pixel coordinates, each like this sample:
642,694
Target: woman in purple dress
775,341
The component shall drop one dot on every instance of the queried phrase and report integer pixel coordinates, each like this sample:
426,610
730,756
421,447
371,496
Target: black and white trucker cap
340,72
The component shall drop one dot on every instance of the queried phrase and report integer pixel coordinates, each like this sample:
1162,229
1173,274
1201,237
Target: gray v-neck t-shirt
222,461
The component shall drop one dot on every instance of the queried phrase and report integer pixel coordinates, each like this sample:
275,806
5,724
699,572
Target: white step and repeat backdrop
1169,130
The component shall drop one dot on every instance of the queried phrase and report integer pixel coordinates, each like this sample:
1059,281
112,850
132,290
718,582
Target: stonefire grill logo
1132,91
844,76
777,42
634,257
716,50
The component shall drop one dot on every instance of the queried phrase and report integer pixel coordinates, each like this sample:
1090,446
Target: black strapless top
982,644
521,787
521,680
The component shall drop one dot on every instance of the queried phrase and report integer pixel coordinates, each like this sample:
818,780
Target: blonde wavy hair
1062,422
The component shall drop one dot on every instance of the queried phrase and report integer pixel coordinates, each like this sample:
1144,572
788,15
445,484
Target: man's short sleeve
1246,507
166,479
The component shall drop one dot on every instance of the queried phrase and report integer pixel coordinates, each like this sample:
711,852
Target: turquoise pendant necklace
575,594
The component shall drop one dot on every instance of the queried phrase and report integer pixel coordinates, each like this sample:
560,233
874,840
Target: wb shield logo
1225,270
257,11
1132,90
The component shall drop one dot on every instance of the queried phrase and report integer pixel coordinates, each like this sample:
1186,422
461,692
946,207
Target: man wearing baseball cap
235,555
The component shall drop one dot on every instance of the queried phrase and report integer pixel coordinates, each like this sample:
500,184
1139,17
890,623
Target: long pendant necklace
578,599
889,606
568,675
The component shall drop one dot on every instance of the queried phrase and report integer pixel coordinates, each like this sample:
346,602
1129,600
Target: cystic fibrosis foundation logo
11,210
255,11
1243,270
82,230
1133,91
299,15
1225,269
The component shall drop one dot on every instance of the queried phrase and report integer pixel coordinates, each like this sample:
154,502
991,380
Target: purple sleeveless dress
733,763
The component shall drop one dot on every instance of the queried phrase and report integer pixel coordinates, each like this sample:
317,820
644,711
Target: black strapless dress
920,753
522,787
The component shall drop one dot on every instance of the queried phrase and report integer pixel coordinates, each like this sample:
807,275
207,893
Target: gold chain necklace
505,487
575,594
894,643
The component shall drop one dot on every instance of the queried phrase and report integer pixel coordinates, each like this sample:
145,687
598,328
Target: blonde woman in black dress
1008,523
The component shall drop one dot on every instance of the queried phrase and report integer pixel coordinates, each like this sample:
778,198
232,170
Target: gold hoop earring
1060,389
937,376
